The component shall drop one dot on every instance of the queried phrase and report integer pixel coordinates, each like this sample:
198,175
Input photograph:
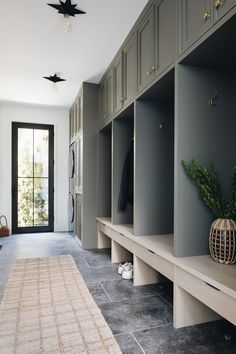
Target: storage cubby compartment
122,167
154,159
104,172
205,132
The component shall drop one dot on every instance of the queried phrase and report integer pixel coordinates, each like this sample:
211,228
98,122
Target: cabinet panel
164,34
102,112
222,7
118,91
109,96
106,99
196,19
130,69
145,49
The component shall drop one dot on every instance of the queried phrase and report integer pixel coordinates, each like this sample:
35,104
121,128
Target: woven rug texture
47,309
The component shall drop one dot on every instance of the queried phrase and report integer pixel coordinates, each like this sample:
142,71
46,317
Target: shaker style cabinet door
222,7
146,63
130,69
196,18
106,99
109,95
118,83
164,34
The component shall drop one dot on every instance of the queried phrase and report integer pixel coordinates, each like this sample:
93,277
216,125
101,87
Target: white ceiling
34,44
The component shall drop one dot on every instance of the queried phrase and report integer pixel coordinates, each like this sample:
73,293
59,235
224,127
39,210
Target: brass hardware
212,100
153,68
206,15
218,3
162,124
148,73
122,99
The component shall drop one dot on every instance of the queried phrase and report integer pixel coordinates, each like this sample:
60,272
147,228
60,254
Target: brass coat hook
212,100
162,124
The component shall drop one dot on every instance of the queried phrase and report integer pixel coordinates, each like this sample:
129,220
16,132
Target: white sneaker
122,267
128,272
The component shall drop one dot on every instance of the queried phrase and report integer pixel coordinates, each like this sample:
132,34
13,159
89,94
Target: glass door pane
33,187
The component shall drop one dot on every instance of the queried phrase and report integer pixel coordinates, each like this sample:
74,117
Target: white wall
11,112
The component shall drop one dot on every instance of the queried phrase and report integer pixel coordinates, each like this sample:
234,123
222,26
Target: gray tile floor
140,317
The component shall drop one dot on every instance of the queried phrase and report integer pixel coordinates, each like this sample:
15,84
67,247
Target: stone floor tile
128,344
136,314
123,289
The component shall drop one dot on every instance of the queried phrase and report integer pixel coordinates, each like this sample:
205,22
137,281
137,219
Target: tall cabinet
83,165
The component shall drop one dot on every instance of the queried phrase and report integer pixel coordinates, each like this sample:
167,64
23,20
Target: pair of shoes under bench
126,270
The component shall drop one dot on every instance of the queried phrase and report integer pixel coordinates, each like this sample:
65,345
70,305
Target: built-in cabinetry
176,102
197,17
83,166
106,99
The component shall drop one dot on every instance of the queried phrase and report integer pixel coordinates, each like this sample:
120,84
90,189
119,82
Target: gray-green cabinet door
145,33
222,7
196,18
164,34
130,69
102,109
118,83
109,96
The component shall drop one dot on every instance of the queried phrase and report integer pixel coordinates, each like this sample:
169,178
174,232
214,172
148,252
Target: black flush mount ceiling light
67,9
54,78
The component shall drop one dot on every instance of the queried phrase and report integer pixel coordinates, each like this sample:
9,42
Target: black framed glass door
32,178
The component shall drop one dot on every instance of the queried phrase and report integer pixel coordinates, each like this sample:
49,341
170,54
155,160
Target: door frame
14,176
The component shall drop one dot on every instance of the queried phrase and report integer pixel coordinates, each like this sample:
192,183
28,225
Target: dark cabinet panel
164,34
196,19
145,34
222,7
130,69
118,84
106,99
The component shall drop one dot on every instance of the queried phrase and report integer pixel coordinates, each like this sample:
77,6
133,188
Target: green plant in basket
222,240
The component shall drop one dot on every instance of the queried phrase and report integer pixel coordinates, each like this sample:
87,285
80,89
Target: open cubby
122,137
104,172
206,133
154,160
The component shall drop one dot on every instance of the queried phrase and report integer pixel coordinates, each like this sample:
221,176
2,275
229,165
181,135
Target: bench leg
188,311
143,273
103,240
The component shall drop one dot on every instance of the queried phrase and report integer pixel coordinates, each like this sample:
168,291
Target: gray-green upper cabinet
146,59
102,113
118,84
106,99
130,69
222,7
164,34
125,75
109,95
196,17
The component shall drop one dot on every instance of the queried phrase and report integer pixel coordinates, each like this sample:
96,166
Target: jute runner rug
48,309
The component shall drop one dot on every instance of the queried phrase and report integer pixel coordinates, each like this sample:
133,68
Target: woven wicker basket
222,241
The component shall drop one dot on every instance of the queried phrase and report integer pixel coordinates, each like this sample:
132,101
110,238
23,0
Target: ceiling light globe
67,24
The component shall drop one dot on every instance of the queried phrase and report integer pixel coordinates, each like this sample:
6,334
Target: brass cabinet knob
148,73
153,68
206,15
218,3
122,99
